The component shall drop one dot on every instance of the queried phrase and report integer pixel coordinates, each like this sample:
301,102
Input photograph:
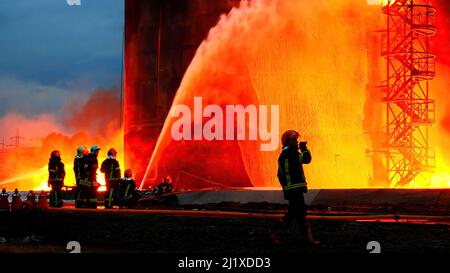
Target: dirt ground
111,233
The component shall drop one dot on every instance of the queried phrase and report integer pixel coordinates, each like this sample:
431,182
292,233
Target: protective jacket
290,170
111,168
56,171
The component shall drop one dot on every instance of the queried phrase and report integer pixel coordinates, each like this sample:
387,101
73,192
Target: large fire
96,121
39,177
320,61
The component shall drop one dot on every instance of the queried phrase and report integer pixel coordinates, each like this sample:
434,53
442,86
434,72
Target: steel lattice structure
405,92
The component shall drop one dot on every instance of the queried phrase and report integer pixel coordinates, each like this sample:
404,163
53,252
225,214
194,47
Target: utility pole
16,140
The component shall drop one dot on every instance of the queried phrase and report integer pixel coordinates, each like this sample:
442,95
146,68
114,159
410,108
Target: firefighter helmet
112,152
95,148
55,153
81,150
288,137
167,179
128,173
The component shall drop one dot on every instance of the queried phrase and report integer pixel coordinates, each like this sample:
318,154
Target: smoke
82,121
31,129
31,98
99,115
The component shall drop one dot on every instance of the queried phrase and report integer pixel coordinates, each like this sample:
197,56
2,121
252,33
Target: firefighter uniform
163,190
127,195
88,179
77,169
293,181
292,178
111,168
56,175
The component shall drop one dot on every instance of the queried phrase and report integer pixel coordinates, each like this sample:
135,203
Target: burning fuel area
321,62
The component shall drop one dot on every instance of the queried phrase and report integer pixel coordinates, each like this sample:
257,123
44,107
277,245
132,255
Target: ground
130,232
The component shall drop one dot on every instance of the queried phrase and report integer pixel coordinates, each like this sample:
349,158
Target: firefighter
4,202
127,195
78,163
165,187
89,176
16,203
111,168
30,203
292,179
164,190
56,174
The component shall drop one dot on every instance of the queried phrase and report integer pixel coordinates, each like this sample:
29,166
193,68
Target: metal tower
409,68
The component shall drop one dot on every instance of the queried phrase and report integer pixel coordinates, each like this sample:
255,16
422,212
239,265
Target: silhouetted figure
111,168
292,178
56,175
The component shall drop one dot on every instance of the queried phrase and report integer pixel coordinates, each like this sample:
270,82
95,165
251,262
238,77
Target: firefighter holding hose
292,178
111,168
56,175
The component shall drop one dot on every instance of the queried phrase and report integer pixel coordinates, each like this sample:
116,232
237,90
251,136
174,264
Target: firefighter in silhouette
292,179
30,203
4,202
89,176
111,168
78,164
127,195
164,190
56,175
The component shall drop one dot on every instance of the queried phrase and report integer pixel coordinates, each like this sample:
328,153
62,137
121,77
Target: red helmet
128,173
167,179
55,153
112,152
288,137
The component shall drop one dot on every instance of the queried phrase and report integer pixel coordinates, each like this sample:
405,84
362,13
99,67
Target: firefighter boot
309,239
275,231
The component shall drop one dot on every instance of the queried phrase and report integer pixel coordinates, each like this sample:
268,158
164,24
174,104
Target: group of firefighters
119,191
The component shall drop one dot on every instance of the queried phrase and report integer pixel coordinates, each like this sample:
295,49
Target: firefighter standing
111,168
89,176
56,174
127,196
292,179
4,202
78,164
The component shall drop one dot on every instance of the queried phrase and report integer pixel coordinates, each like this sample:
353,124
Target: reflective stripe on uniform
289,185
85,182
126,191
110,197
294,186
286,171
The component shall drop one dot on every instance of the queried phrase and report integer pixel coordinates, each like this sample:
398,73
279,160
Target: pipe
403,218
